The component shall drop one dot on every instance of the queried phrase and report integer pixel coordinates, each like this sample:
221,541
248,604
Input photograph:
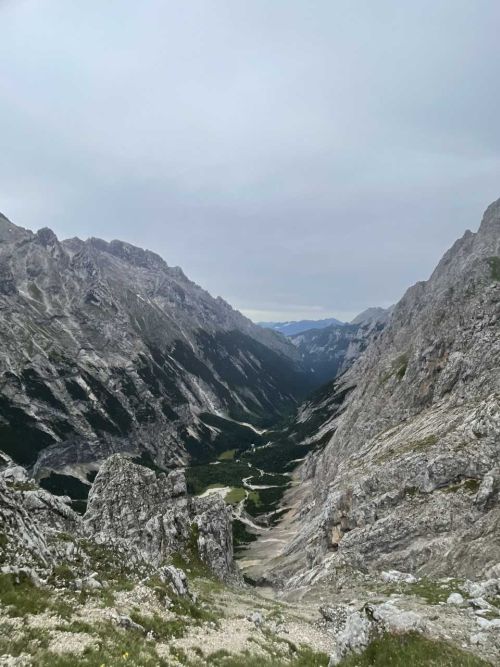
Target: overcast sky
300,158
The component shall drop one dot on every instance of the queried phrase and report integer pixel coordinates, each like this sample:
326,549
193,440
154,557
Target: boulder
455,598
176,578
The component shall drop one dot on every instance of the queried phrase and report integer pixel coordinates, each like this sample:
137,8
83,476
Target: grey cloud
293,157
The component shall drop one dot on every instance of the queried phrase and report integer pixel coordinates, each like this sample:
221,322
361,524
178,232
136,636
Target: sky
300,158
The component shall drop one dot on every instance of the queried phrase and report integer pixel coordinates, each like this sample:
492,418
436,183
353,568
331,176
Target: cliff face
105,348
331,351
409,476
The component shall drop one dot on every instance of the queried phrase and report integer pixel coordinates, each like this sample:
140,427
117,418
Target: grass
433,592
301,657
116,646
400,366
22,486
20,597
398,369
189,559
414,446
411,649
161,628
235,496
228,455
494,264
469,485
32,640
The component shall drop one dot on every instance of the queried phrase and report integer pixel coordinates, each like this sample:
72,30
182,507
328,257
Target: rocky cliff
145,516
409,477
106,348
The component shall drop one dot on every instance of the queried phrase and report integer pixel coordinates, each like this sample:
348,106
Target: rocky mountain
405,471
297,327
374,315
106,348
330,351
387,541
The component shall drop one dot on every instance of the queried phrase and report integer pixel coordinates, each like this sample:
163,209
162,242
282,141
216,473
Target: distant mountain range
297,327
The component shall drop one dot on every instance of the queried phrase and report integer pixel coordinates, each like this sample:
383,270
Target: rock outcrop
30,518
151,514
408,475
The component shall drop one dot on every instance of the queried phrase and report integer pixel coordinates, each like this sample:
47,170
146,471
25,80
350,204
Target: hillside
106,348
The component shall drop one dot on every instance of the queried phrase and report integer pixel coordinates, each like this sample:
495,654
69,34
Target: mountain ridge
106,348
405,470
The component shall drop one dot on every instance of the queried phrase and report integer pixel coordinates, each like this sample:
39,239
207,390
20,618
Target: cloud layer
300,159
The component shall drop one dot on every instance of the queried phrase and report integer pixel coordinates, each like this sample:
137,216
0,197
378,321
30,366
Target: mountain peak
46,236
9,232
491,218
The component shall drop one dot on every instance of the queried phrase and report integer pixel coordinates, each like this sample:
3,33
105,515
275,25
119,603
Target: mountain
330,351
292,328
374,315
106,348
404,472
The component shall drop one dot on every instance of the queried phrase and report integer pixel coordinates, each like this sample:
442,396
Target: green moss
414,650
494,264
425,443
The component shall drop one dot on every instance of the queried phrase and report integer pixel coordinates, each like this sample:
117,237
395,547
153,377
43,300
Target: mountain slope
409,477
330,351
106,348
292,328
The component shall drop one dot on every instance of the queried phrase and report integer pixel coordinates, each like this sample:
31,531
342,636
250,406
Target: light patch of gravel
233,635
141,596
45,621
22,660
301,633
74,643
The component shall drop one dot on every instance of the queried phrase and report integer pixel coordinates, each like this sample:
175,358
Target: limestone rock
176,578
406,475
455,598
355,637
150,513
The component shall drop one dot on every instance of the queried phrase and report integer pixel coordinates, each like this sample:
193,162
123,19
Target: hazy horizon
301,161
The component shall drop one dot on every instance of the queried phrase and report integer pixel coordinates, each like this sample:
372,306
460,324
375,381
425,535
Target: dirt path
260,556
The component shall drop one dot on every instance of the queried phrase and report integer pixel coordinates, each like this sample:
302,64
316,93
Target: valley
178,487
